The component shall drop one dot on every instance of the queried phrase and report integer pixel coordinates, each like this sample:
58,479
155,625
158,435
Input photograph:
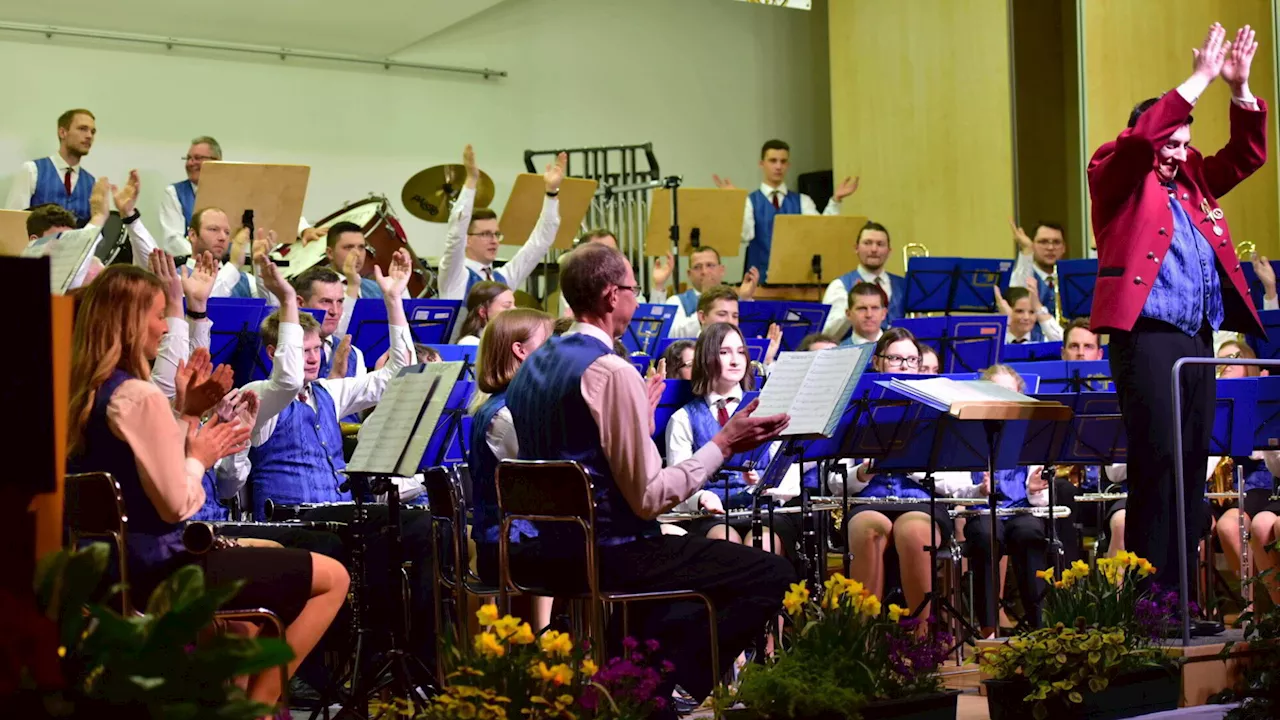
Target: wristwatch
197,315
133,217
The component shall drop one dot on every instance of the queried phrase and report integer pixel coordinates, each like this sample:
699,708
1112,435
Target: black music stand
1076,280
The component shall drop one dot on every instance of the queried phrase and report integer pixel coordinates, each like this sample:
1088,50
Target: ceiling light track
170,43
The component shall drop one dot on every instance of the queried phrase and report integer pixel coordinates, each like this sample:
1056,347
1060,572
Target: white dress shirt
684,325
1049,327
500,436
173,222
1024,268
961,485
807,207
185,335
24,181
837,296
454,263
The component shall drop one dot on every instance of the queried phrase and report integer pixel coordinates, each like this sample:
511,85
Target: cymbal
525,300
429,194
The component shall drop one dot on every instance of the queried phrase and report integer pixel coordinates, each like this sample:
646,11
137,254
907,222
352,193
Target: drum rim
381,199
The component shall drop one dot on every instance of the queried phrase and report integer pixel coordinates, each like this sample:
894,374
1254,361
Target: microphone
816,265
695,238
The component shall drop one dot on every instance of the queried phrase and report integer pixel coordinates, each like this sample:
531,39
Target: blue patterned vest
353,363
474,277
897,294
553,422
688,301
152,542
484,470
186,193
899,485
1036,335
50,188
1187,292
369,289
763,211
730,485
300,462
1012,486
212,510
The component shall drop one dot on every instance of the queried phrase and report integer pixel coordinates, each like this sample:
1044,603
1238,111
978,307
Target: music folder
393,439
813,388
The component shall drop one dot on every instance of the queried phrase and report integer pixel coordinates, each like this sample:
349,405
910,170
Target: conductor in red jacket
1168,277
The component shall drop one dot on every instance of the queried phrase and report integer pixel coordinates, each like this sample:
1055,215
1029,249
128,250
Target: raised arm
1246,148
521,266
452,282
287,372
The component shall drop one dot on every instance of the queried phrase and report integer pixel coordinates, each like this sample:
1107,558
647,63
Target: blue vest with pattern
474,277
300,462
689,301
484,472
899,485
730,485
152,541
763,211
369,289
897,297
186,193
212,510
1187,292
553,422
50,188
353,363
1012,486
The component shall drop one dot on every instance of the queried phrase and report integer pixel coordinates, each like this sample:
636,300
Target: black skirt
893,511
277,579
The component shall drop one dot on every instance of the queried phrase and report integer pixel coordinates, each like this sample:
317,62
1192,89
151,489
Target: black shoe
1207,628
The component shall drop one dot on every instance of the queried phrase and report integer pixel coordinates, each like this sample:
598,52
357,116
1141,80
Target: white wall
705,80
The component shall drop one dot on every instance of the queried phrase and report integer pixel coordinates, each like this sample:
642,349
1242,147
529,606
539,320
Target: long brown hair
110,327
481,294
496,365
706,358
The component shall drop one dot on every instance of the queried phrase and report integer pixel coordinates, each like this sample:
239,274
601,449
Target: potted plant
509,672
75,657
844,656
1097,655
1258,697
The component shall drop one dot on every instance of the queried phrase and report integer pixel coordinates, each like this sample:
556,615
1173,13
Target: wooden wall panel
920,108
1138,49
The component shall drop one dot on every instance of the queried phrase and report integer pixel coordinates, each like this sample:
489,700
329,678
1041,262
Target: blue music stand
456,353
640,362
650,323
675,394
1095,435
1266,411
449,440
964,343
261,368
1076,280
797,319
430,322
1234,418
1062,376
234,338
952,284
1031,352
1267,348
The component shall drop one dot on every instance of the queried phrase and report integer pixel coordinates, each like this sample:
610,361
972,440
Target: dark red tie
722,414
66,182
777,199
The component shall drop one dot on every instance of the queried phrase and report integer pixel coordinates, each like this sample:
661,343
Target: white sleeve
748,223
353,394
956,484
226,280
1021,270
521,266
283,385
173,224
832,209
501,436
232,473
1051,328
302,224
679,438
836,484
1118,473
175,347
837,296
24,184
1271,458
686,326
1039,499
452,281
141,242
1271,303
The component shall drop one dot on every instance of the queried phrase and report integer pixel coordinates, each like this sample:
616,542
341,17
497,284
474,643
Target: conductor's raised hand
397,278
744,431
556,173
1235,68
1207,61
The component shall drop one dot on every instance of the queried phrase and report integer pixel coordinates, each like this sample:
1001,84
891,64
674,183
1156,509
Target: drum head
363,213
525,300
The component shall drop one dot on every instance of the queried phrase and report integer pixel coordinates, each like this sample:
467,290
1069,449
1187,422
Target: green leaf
1098,684
81,578
146,683
182,587
1075,696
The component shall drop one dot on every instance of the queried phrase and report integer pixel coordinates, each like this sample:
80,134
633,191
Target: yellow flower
589,667
487,614
851,586
871,606
896,612
559,674
1046,575
523,635
506,627
796,598
487,644
556,643
1145,568
1080,568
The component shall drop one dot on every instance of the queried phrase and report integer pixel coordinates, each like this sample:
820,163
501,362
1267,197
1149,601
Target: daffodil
796,598
1046,575
506,626
589,667
523,635
556,643
559,674
871,606
1080,568
896,612
487,644
487,614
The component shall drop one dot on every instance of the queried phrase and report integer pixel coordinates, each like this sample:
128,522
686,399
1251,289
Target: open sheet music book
813,388
69,254
393,438
951,396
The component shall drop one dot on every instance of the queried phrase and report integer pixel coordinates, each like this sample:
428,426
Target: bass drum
383,236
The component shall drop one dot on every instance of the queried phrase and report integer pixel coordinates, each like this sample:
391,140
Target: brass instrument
200,537
1222,480
1071,473
1057,299
1246,249
909,251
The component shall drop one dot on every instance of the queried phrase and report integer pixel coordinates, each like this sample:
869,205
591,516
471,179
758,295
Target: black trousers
1022,538
1141,365
746,585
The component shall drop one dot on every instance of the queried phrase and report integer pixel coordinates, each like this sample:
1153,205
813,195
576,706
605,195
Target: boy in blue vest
705,271
59,179
773,198
873,247
574,399
466,263
1028,321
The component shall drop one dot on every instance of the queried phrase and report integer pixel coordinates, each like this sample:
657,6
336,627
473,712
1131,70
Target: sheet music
68,253
388,430
446,376
949,392
784,384
812,387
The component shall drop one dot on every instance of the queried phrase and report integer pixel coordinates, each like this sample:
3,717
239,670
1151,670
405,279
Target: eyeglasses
633,288
488,235
197,158
700,267
900,361
1049,242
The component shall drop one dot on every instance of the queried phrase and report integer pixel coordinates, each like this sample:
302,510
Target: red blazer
1132,221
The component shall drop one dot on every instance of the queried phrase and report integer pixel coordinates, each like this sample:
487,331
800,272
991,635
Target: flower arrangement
1099,626
1258,696
841,652
509,672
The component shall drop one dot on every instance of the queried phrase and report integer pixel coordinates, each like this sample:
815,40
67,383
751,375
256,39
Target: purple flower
652,645
629,644
667,666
